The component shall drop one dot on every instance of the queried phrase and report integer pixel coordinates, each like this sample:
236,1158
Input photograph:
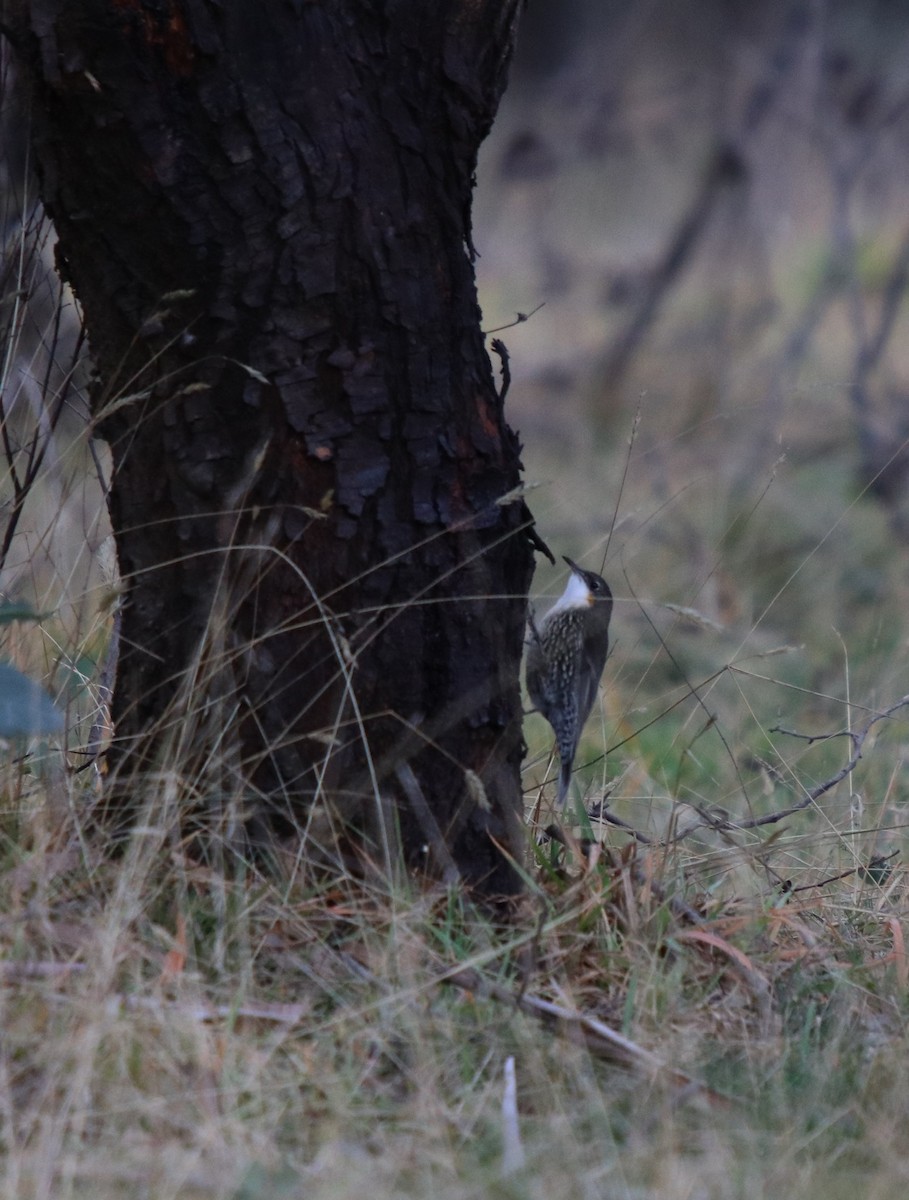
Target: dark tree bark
264,210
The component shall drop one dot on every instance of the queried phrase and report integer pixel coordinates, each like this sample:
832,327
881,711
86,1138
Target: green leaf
25,708
20,612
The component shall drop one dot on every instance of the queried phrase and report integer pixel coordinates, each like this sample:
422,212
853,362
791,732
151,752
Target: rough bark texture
264,209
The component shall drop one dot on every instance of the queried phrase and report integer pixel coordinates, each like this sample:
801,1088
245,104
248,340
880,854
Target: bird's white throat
576,595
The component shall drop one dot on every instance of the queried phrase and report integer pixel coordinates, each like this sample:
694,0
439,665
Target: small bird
565,659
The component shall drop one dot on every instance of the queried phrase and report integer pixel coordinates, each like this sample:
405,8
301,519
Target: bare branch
873,864
858,738
520,318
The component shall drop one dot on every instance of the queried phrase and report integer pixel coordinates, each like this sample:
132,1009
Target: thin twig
858,738
595,1035
428,823
519,319
876,861
810,738
599,812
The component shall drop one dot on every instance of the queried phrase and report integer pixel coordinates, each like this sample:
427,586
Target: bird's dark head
587,587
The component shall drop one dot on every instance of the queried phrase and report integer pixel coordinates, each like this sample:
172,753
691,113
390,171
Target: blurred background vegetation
710,202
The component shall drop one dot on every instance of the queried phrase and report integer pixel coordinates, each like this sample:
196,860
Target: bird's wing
594,663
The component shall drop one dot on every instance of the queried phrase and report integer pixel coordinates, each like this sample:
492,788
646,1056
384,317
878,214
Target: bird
566,655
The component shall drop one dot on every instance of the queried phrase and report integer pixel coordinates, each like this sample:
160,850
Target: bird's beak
574,566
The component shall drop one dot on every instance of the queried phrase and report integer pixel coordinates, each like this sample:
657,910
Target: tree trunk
264,210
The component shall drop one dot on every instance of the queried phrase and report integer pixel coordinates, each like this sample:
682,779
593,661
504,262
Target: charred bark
264,210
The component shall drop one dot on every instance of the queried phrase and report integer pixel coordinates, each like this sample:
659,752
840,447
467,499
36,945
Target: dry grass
170,1030
180,1024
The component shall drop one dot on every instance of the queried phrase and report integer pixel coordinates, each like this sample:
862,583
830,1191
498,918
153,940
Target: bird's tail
564,782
